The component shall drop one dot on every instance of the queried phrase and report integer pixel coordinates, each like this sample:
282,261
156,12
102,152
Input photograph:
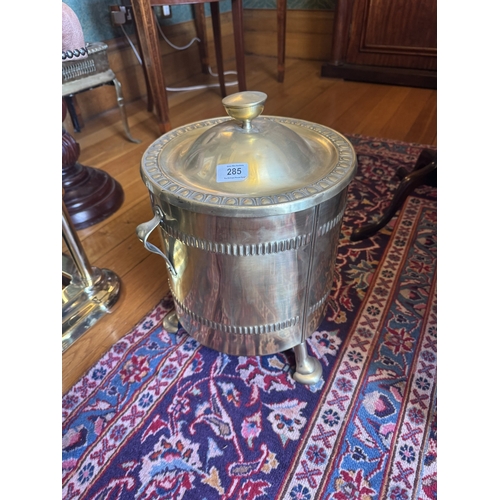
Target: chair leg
150,102
73,113
152,61
201,33
281,15
237,11
123,112
214,9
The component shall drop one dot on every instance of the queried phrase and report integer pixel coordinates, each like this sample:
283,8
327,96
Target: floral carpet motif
162,417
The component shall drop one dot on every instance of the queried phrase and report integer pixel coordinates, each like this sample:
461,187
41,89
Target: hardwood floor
384,111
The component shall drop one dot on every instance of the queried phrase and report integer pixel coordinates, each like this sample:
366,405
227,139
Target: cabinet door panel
394,33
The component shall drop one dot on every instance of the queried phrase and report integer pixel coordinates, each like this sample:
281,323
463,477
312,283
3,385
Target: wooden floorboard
423,129
382,111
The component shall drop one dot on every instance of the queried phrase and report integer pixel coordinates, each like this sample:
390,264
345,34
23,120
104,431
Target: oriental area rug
162,417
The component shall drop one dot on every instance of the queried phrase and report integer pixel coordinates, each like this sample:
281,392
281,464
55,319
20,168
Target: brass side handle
145,229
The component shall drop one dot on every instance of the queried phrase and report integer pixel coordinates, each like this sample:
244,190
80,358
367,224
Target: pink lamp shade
73,43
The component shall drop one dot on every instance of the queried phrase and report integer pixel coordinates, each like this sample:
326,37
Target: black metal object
424,173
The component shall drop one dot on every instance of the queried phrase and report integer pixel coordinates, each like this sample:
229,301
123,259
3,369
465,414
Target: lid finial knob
245,106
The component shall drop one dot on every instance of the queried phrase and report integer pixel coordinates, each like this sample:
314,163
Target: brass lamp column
88,292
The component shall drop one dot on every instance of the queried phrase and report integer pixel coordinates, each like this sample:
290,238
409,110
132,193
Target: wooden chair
148,42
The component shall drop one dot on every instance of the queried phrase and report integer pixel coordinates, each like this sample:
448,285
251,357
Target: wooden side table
148,43
151,56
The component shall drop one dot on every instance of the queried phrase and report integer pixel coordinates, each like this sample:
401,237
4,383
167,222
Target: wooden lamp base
90,195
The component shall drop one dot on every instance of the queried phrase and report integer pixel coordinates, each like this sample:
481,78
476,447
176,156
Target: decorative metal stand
86,74
88,292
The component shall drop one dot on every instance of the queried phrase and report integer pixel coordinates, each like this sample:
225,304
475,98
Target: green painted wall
95,18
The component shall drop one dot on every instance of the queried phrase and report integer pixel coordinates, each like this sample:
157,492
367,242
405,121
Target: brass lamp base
83,305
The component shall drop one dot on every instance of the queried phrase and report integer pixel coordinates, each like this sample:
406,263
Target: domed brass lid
248,164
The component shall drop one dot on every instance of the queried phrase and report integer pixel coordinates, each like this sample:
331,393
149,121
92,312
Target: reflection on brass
250,258
245,106
88,292
308,370
171,322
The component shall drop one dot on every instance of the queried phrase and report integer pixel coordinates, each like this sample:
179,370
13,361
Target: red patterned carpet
161,417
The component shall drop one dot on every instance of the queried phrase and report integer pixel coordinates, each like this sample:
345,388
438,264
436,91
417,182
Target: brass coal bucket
249,208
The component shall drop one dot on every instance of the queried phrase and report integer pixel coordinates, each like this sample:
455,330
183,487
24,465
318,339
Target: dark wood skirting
378,74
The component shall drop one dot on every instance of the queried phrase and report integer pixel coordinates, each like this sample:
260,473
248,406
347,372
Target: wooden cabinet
385,41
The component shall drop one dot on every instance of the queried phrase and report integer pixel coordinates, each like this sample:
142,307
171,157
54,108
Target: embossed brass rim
172,191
